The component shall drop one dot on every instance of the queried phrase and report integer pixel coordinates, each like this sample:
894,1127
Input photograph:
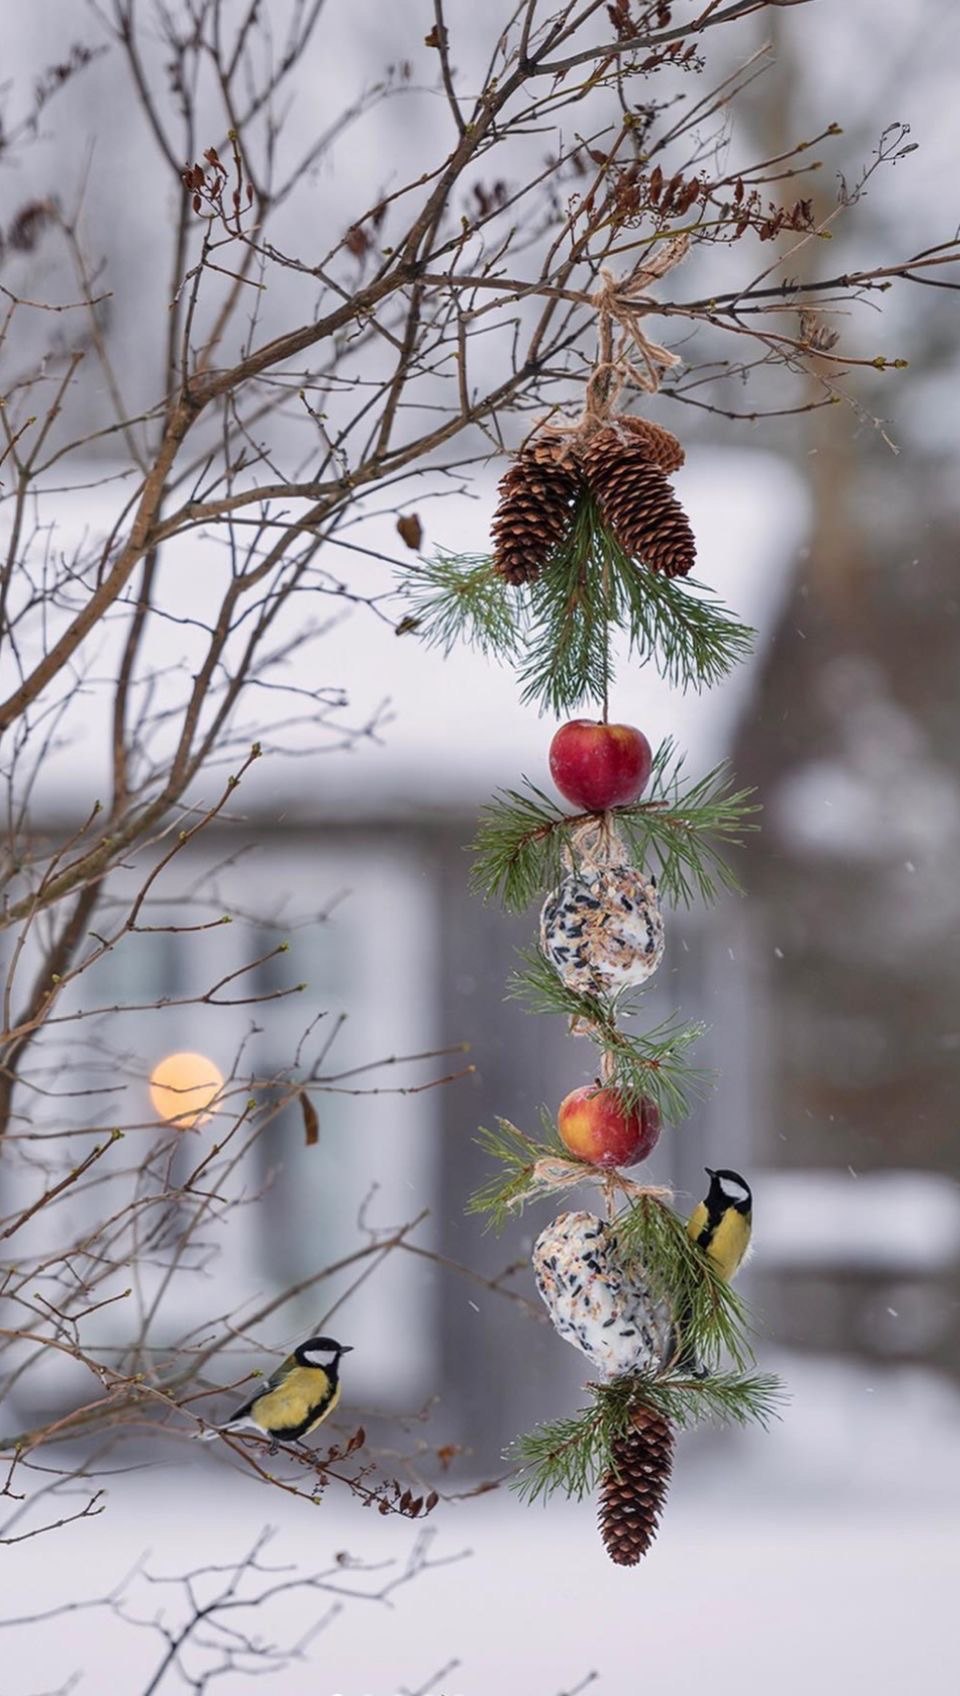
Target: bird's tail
683,1357
207,1436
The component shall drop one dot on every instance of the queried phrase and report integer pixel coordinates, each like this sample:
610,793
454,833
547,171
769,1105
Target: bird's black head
728,1189
321,1351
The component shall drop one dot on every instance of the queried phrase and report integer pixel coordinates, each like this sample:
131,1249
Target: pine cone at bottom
633,1492
537,501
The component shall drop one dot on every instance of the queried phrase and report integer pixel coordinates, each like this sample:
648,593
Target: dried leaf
447,1453
436,38
431,1501
410,531
311,1123
356,241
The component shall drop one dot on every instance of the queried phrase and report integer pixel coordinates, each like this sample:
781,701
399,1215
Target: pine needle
574,1453
450,599
518,1155
710,1316
679,831
650,1065
558,627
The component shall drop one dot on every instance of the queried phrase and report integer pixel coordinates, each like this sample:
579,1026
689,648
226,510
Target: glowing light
182,1087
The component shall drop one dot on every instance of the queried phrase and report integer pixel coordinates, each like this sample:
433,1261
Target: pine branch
574,1453
732,1398
561,622
570,1454
590,587
518,1155
710,1317
450,599
678,831
571,613
519,845
542,991
650,1065
692,638
684,830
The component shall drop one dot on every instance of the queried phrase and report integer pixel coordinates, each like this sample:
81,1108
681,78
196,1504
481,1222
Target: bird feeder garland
591,542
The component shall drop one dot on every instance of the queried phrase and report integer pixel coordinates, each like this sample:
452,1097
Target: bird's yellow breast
305,1395
729,1242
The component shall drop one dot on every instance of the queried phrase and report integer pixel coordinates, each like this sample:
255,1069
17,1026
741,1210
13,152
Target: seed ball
602,930
604,1308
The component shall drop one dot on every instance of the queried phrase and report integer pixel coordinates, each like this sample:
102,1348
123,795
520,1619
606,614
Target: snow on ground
822,1557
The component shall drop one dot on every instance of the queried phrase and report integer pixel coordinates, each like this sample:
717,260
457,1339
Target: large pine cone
638,504
634,1490
537,501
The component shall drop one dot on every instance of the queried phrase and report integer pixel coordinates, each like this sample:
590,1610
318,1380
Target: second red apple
596,766
594,1126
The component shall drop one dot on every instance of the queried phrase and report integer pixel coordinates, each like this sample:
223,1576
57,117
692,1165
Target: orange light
182,1087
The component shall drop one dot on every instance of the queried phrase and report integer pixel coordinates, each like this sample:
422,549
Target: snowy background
823,1556
826,1554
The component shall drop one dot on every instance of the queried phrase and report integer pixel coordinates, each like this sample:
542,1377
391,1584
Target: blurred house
357,864
856,915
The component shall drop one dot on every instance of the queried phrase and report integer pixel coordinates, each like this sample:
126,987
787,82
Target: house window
370,971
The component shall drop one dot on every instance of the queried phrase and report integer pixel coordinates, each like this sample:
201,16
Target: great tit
720,1225
722,1222
296,1398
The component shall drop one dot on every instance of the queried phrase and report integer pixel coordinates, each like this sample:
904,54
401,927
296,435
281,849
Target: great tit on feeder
721,1224
296,1398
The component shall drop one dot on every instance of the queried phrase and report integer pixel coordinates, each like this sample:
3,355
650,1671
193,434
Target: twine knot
635,358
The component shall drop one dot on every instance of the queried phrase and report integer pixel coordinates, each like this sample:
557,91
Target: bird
296,1398
720,1225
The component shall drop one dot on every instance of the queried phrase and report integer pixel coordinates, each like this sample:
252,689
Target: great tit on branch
721,1226
296,1398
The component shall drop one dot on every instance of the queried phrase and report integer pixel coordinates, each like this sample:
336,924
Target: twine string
635,357
553,1173
594,843
630,356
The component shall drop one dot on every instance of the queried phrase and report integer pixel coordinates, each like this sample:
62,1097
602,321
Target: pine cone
537,500
639,505
661,446
634,1490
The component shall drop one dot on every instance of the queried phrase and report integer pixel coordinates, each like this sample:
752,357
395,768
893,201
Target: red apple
594,1126
596,766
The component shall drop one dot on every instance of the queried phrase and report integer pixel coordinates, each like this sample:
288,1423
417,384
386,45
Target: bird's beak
710,1172
346,1348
